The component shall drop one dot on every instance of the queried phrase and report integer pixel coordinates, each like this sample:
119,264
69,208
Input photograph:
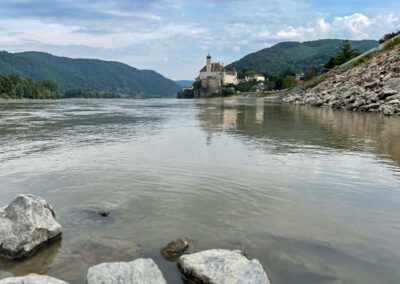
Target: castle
212,77
217,71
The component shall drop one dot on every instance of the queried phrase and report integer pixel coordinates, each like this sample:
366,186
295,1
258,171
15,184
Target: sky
173,37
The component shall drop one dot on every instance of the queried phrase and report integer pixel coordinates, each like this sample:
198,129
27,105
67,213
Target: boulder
386,92
393,102
26,224
140,271
358,102
370,107
32,279
386,110
175,249
219,266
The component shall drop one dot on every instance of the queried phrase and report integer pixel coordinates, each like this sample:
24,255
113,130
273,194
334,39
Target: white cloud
20,31
144,33
356,26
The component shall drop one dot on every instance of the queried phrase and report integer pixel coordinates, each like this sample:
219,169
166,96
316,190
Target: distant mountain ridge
295,56
93,74
185,83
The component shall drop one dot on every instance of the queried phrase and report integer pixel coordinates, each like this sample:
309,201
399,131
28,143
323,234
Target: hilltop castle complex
213,77
217,71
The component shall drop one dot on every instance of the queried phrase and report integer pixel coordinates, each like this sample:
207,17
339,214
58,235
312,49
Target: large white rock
32,279
25,224
140,271
219,266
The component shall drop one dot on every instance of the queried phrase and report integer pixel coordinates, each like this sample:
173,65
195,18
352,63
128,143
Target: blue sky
174,36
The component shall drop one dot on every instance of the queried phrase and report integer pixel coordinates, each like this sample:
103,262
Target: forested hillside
92,74
14,87
295,56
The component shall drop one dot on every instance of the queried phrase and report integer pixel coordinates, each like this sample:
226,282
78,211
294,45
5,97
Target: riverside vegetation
15,87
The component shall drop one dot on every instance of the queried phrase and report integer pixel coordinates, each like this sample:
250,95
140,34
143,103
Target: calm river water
312,193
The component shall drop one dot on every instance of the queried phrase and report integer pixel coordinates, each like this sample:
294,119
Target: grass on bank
314,82
389,46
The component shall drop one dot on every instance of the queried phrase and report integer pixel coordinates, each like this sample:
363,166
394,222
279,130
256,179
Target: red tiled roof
215,67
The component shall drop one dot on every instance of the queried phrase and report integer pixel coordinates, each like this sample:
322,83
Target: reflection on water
39,263
296,126
312,193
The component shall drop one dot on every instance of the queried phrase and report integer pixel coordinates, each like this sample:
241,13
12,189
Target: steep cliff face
372,86
208,87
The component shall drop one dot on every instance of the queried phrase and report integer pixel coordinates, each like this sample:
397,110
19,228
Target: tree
346,53
50,85
289,81
251,73
228,91
14,87
309,75
388,36
185,94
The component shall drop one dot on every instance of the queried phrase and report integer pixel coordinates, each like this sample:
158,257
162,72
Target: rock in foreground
25,224
175,249
140,271
32,279
219,266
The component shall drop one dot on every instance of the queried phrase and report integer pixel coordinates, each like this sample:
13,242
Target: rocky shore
372,86
28,223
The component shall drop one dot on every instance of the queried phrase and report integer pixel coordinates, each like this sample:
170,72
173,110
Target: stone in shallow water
140,271
32,279
25,224
219,266
175,249
79,254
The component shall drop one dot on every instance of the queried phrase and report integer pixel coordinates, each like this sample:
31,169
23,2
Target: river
312,193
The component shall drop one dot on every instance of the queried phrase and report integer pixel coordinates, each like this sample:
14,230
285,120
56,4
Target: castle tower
208,68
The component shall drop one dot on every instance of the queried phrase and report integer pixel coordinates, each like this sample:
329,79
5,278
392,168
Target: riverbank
369,84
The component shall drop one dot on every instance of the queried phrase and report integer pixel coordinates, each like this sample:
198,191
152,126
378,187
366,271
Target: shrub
289,81
309,75
388,36
314,82
185,94
4,96
390,45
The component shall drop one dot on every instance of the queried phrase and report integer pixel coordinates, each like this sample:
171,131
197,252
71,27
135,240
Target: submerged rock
79,254
26,224
175,249
219,266
32,279
140,271
104,213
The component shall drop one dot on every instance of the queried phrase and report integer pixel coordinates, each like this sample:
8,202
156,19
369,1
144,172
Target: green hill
295,56
92,74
